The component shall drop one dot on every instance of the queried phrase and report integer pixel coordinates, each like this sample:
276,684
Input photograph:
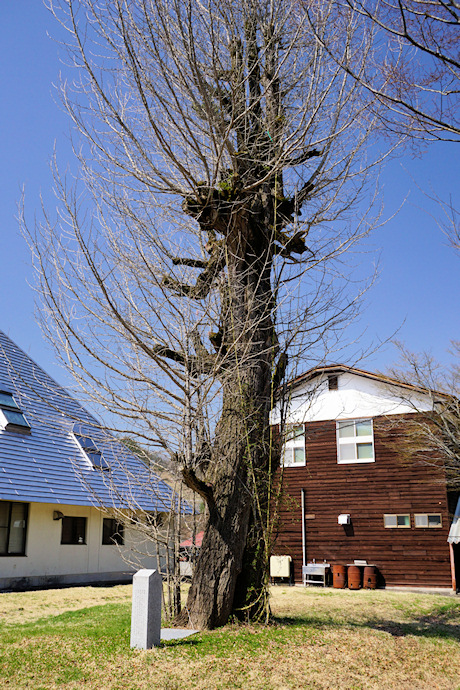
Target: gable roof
49,465
330,369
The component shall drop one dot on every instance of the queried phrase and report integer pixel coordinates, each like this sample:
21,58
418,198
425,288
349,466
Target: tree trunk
237,474
220,560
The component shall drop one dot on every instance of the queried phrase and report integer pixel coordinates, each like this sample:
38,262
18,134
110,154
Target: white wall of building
48,562
357,396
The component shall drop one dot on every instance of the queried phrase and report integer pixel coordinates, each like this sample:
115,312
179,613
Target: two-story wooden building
351,489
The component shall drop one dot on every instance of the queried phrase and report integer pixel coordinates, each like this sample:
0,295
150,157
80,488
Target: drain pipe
304,545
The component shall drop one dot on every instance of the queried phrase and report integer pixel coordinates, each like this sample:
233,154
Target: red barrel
339,576
354,577
370,577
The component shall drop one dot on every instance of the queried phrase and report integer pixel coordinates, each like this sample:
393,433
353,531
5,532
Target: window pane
421,520
98,461
434,520
4,513
299,456
15,418
298,431
16,541
346,429
294,432
73,530
365,451
4,520
7,399
403,520
347,451
112,532
87,443
390,520
80,530
364,428
288,453
13,525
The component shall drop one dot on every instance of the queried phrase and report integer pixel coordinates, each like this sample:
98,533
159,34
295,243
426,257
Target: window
13,528
333,382
112,532
91,450
14,419
396,521
427,520
73,530
355,441
294,447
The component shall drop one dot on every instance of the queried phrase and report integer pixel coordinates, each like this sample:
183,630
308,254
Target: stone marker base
176,633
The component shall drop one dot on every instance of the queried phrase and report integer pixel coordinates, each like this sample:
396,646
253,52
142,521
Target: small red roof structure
198,540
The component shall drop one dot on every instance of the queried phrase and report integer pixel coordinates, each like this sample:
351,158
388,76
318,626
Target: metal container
339,576
370,577
315,573
354,577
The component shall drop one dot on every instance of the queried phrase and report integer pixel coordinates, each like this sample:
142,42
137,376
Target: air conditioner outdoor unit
280,566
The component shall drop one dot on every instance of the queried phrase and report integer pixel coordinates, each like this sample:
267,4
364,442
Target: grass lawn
79,637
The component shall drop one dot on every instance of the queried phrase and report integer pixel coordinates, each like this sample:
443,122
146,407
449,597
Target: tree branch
193,263
205,280
202,488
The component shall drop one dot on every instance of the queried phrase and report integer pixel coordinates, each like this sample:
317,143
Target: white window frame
354,440
296,442
427,516
396,515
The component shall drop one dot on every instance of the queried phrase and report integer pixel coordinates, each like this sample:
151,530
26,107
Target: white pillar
146,609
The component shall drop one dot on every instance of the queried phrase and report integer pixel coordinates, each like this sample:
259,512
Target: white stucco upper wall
357,396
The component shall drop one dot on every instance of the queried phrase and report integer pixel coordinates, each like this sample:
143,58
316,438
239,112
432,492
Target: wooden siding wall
415,556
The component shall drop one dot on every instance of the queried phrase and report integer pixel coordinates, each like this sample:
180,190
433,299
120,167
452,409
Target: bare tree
222,154
433,437
417,74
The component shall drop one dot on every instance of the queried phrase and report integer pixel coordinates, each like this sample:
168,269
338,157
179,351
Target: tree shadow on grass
444,626
436,625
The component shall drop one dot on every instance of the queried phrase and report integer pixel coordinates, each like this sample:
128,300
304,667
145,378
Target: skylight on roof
7,400
92,452
14,418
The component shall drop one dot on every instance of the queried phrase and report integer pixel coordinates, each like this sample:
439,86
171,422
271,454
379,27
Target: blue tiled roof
49,465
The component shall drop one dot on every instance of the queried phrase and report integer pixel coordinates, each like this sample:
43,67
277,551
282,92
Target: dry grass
321,639
25,607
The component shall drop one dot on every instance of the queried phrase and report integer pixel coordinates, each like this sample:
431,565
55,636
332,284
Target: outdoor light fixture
344,519
57,515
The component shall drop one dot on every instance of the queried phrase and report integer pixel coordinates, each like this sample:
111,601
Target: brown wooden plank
416,556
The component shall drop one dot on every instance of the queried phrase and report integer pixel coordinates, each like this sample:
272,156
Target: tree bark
241,448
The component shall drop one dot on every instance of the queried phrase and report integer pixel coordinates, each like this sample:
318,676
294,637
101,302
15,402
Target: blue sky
419,284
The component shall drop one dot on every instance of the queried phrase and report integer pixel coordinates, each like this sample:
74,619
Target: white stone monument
146,609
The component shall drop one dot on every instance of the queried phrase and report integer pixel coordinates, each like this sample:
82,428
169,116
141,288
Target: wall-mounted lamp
344,519
57,515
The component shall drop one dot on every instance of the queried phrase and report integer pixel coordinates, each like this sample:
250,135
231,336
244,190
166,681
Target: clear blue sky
419,285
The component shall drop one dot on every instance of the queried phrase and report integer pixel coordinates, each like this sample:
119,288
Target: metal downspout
304,543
